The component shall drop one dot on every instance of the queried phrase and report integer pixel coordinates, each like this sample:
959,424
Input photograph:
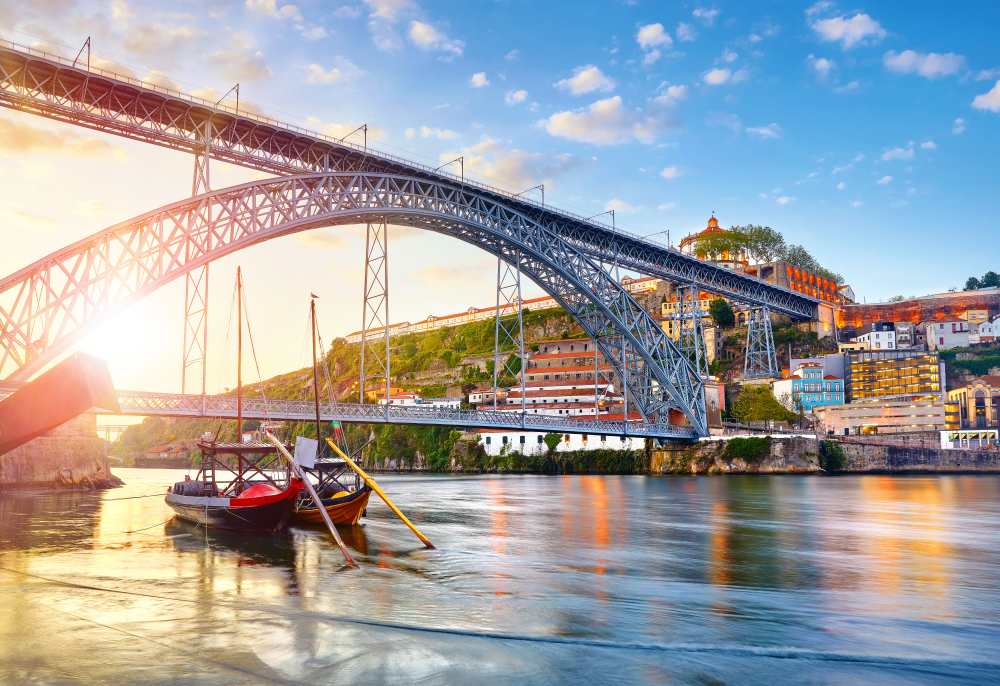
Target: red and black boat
260,497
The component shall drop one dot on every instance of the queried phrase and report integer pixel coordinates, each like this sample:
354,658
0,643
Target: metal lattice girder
195,348
761,360
48,305
48,85
688,318
179,405
509,330
375,309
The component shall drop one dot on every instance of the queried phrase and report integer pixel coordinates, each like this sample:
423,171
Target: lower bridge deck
224,407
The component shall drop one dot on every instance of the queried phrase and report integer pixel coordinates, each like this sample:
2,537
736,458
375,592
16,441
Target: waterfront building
852,346
809,388
565,397
978,402
884,374
946,333
968,439
906,334
416,400
881,417
497,441
988,331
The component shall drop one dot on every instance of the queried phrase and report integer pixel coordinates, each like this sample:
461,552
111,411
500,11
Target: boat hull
343,510
268,514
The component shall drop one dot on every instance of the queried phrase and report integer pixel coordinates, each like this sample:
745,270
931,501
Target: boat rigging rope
253,350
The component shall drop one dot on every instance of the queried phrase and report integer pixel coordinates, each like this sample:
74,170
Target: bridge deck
224,407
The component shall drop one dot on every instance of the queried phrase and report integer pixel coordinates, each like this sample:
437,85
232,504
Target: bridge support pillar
375,363
196,287
761,360
509,334
692,332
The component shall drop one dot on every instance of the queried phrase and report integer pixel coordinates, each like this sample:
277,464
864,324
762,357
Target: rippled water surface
537,579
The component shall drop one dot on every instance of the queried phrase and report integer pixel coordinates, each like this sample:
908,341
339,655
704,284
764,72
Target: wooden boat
342,493
262,493
252,501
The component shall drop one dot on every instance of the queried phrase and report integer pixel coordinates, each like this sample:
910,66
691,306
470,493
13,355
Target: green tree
897,299
721,313
764,244
552,442
972,284
757,403
990,280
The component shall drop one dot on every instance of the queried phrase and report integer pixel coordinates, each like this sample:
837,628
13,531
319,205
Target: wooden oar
374,486
319,504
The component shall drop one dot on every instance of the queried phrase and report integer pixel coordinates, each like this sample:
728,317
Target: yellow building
885,374
851,347
978,402
672,309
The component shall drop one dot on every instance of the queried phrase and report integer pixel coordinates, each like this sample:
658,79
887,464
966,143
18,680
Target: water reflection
614,579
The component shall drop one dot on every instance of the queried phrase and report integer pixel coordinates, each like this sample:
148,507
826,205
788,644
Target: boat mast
239,356
319,427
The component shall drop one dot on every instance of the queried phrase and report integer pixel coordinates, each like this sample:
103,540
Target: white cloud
853,85
728,56
342,130
822,66
389,9
671,173
238,62
479,80
686,32
493,160
821,6
411,132
857,203
426,132
651,38
754,38
608,122
344,71
269,7
850,32
930,65
724,119
347,12
884,180
841,186
837,170
929,145
859,157
321,238
764,132
718,77
618,206
764,196
784,200
586,79
514,97
429,38
911,191
898,154
958,126
707,16
667,206
512,55
989,101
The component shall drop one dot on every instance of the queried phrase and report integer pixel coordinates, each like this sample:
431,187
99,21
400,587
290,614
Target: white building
533,442
947,333
877,336
565,398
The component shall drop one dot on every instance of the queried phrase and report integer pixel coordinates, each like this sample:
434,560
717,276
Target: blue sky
867,133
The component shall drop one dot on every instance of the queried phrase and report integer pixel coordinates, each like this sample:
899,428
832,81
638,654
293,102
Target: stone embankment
760,456
71,456
895,459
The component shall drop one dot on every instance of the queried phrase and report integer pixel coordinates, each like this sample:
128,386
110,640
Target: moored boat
252,501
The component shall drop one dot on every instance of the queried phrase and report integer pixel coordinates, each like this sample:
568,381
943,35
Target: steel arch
54,87
50,304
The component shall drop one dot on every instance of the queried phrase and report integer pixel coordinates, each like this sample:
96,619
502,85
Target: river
537,580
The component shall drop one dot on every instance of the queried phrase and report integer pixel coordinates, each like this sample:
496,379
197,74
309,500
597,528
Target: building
640,286
851,347
847,293
497,441
906,335
884,374
895,416
968,440
831,363
416,400
947,333
988,331
978,402
724,259
877,336
808,387
565,398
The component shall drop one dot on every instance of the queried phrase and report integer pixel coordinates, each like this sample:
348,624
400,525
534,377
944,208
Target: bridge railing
181,405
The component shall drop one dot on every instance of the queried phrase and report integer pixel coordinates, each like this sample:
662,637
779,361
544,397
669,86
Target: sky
868,134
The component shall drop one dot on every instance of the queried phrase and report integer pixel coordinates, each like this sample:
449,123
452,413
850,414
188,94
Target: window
522,440
941,326
540,441
941,341
546,377
603,438
504,440
488,440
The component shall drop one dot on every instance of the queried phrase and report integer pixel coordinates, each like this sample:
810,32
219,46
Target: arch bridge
323,181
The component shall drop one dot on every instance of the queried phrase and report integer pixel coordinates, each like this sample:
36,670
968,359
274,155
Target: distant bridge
224,407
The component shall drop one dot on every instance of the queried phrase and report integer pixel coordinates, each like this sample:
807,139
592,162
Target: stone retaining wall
871,457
